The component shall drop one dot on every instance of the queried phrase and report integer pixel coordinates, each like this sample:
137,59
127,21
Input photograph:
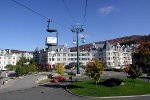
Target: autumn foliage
60,69
95,70
141,56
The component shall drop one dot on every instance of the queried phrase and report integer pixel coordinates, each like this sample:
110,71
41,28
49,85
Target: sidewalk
6,82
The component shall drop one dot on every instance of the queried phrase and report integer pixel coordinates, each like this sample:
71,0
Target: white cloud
106,10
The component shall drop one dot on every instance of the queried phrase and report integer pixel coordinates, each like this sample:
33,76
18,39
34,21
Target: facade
7,59
11,57
113,56
59,54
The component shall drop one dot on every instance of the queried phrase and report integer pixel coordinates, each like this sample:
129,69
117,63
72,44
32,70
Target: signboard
51,41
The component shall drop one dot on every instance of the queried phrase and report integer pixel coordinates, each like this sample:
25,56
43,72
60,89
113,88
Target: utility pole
77,29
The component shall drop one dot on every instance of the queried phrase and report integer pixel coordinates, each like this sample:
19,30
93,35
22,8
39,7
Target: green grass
88,88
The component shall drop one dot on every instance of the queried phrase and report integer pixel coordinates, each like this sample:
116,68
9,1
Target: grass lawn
88,88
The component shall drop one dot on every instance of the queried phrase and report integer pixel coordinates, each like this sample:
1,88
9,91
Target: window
58,54
108,63
53,59
64,59
108,58
49,59
64,55
58,59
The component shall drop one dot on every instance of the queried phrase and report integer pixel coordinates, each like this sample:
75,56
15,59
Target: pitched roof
106,46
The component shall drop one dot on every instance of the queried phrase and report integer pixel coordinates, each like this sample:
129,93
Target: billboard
51,41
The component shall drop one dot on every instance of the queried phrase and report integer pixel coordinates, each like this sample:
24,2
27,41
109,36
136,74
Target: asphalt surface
51,91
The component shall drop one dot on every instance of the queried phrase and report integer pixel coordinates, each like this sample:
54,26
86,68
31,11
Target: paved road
21,84
49,91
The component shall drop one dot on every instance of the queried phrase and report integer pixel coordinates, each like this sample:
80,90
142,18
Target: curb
106,97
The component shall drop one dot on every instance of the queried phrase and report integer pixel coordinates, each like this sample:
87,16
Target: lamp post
77,29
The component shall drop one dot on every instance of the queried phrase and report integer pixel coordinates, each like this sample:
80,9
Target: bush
55,80
112,82
62,78
59,79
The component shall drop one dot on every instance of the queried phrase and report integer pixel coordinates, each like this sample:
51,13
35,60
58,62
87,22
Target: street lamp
77,29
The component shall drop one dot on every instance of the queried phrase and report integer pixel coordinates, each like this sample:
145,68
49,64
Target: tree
141,56
32,66
60,69
22,61
95,70
20,70
134,72
126,69
10,67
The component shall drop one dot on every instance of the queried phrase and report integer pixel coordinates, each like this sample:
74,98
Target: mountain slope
123,40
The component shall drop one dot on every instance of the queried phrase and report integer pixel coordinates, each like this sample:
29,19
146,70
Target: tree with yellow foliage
60,69
95,70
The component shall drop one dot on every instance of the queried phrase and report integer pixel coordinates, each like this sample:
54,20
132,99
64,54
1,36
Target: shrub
112,82
62,78
59,79
55,80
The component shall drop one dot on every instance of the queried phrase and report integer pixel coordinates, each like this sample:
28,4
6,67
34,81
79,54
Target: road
26,82
21,91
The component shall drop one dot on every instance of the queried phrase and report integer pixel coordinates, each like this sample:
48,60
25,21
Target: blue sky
106,19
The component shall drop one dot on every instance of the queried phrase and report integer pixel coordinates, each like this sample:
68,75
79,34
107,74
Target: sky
23,29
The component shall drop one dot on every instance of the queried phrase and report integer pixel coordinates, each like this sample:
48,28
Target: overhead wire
30,9
85,12
38,13
67,8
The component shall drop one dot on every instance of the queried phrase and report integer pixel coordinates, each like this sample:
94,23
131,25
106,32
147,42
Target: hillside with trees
123,40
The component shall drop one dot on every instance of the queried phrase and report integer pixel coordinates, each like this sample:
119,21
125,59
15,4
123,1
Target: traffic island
89,89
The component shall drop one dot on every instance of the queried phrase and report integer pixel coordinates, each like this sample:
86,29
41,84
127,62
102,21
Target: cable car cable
37,13
69,11
85,12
